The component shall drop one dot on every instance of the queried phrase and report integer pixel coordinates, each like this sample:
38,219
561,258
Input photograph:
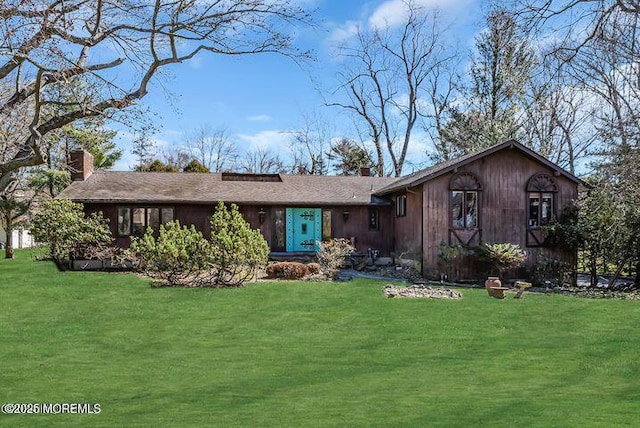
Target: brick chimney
365,171
80,165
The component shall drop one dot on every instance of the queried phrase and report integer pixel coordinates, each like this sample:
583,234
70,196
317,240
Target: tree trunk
593,268
8,249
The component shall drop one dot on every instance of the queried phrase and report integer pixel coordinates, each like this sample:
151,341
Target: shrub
287,270
238,250
180,255
457,261
332,255
313,268
551,272
70,235
504,256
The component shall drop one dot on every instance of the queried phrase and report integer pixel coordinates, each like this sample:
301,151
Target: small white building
21,238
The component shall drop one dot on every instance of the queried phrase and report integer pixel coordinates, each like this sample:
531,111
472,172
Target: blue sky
261,99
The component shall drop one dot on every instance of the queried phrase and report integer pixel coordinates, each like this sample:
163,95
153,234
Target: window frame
162,212
373,218
464,209
541,187
327,225
468,185
401,205
279,233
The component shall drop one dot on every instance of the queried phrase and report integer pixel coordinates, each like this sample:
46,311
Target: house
20,235
505,193
293,212
20,238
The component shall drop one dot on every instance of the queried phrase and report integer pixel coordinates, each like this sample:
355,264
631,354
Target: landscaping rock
420,291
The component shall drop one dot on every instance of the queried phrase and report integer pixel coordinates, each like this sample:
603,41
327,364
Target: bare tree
116,47
557,119
572,24
213,148
176,157
441,90
596,45
387,70
261,161
308,147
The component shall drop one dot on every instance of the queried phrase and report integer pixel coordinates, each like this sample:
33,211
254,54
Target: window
326,225
401,205
138,221
153,218
465,189
135,220
166,215
124,221
374,219
464,205
279,241
540,200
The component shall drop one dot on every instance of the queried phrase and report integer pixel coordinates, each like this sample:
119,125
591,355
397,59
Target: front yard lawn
309,354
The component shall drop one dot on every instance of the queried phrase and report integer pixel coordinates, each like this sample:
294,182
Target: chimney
80,165
365,171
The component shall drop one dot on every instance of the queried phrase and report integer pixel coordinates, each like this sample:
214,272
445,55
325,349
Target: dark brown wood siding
355,226
502,206
407,239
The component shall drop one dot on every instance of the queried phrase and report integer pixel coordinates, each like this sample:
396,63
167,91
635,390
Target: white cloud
343,32
391,13
272,140
260,118
394,12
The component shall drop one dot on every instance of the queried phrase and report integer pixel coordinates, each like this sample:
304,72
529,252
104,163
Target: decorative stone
420,291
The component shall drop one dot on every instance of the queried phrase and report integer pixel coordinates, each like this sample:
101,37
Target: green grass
309,354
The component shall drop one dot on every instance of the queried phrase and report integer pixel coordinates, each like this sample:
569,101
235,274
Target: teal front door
304,229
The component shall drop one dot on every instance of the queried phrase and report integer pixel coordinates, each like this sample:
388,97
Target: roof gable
437,170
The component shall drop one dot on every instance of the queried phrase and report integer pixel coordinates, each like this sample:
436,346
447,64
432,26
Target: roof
439,169
198,188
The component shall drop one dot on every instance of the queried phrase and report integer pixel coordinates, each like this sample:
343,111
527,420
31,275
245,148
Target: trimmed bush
287,270
313,268
181,256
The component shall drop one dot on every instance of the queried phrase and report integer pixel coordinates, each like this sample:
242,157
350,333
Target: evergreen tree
499,73
349,158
